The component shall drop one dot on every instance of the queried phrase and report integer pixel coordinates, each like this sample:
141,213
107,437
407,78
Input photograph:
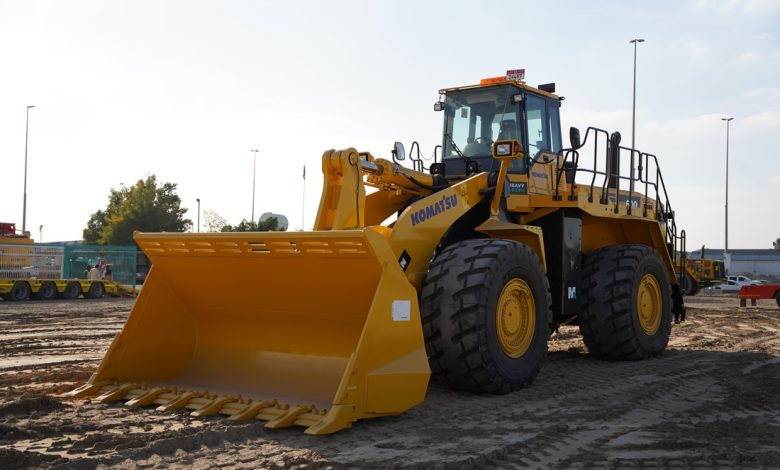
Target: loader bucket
312,328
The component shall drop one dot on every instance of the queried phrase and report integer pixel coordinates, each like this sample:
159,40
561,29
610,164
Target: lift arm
346,173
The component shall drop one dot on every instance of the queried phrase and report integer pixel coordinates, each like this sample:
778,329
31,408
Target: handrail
567,164
417,163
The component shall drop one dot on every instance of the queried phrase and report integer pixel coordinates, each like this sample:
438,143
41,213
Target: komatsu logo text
432,210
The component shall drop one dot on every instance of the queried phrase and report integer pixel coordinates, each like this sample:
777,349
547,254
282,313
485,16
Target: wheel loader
459,271
700,272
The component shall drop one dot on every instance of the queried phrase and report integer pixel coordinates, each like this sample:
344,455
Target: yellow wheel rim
515,318
649,304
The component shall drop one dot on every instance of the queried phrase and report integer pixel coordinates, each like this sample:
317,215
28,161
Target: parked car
742,280
729,286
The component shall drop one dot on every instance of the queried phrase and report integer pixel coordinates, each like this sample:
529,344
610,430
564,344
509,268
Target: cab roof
491,82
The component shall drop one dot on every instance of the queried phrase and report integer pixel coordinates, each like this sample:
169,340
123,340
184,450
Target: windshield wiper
455,146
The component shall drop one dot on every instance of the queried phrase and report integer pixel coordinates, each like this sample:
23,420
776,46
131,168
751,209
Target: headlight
503,150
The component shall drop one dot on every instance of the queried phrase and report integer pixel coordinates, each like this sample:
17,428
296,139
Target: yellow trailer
49,289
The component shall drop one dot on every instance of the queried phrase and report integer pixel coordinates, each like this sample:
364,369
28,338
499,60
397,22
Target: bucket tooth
338,417
287,418
308,419
116,394
233,407
165,397
136,392
251,410
147,398
178,402
271,413
213,406
86,390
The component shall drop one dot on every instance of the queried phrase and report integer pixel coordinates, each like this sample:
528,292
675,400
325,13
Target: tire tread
453,294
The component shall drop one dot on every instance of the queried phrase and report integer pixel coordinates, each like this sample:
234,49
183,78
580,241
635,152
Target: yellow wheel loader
700,272
462,269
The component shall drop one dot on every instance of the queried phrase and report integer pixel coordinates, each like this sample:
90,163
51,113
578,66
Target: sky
185,89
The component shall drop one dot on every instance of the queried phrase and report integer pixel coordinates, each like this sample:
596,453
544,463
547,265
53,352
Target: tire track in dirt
710,400
574,437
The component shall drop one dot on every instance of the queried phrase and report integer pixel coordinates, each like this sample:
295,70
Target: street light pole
726,249
24,201
633,108
254,177
40,234
198,199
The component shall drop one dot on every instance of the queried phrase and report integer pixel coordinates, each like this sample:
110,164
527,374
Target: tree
213,221
94,227
776,244
146,206
270,224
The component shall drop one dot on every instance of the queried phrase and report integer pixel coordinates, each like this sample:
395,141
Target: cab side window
555,125
536,115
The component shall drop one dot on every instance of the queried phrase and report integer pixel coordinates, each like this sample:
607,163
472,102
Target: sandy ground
712,400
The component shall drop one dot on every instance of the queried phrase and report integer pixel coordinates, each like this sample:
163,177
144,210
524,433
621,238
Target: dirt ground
712,400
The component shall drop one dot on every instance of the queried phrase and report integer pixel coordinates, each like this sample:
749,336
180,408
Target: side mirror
399,153
438,106
574,138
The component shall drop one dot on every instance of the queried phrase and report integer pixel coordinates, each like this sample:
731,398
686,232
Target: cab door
543,125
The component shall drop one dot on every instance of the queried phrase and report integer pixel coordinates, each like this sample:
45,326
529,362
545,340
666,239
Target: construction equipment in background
34,271
700,273
463,270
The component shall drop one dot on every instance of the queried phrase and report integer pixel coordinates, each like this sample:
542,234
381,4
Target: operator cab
476,117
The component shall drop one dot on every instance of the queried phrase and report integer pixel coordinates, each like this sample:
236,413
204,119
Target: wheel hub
649,304
515,318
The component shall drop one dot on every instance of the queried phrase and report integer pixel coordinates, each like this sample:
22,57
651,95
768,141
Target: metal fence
120,260
68,261
31,261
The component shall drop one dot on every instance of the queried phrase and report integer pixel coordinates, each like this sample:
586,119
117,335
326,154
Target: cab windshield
474,119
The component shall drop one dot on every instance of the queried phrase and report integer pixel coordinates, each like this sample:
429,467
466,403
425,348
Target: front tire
486,315
625,312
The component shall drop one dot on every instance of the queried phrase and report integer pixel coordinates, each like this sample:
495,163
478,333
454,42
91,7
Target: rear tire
625,313
47,291
72,291
486,315
20,291
690,285
96,290
777,298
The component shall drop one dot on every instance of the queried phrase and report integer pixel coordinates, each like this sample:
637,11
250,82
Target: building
759,262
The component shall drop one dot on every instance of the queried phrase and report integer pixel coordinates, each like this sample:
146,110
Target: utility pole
726,249
254,176
198,199
24,201
633,108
